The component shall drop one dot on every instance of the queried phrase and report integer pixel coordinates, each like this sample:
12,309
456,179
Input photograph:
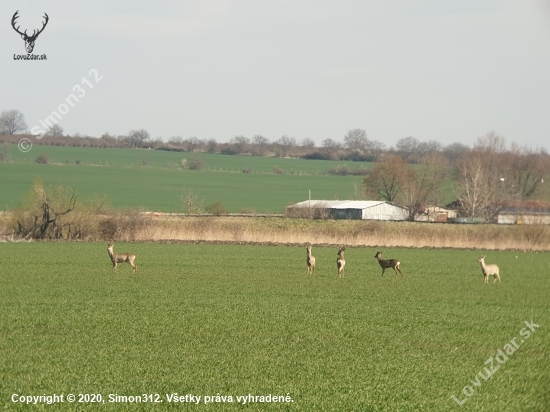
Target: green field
118,174
162,159
238,320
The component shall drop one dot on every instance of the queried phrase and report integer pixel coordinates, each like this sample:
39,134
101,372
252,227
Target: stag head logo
29,40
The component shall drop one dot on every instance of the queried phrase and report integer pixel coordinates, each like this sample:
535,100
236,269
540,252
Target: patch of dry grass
345,232
134,226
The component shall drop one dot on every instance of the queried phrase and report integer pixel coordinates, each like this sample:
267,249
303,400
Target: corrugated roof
342,204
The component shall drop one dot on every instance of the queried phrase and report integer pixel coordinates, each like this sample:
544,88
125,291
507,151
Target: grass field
119,174
159,189
162,159
238,320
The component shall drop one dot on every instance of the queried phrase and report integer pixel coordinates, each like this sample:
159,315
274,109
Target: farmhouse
351,209
525,213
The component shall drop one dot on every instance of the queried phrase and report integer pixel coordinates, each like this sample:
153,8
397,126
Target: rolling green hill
119,174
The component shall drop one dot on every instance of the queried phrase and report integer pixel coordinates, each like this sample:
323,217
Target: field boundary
274,230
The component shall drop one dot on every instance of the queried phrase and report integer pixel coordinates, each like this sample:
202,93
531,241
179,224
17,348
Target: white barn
355,209
525,213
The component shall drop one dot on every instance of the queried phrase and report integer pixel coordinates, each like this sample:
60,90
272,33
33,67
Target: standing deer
391,263
489,270
121,257
340,262
310,261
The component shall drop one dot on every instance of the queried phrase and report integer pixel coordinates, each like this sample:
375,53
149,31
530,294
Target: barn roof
533,206
343,204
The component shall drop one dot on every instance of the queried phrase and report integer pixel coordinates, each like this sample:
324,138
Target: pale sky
439,70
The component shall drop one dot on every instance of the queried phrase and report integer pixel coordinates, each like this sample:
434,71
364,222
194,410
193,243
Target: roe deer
310,261
120,257
391,263
489,270
340,262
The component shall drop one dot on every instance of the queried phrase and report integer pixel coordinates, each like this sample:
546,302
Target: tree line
354,146
486,178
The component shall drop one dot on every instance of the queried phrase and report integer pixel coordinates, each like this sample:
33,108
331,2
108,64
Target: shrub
42,159
78,161
217,208
196,163
357,157
107,228
344,171
5,153
247,170
246,211
191,202
277,170
316,156
229,151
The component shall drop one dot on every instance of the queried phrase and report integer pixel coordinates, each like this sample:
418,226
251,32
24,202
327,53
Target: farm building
435,214
349,209
525,213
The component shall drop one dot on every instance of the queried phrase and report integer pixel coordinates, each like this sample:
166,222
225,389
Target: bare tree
241,143
55,131
376,147
286,143
473,189
307,143
176,140
455,150
192,203
138,137
356,140
482,186
490,144
211,145
260,144
125,141
428,148
387,178
424,183
407,147
192,143
331,147
12,122
41,216
525,171
107,138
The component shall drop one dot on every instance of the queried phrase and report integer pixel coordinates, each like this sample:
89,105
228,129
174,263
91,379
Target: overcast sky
436,70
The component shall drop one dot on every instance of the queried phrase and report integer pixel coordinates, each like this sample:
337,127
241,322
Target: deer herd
341,262
487,270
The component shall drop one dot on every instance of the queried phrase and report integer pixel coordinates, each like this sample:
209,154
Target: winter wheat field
241,327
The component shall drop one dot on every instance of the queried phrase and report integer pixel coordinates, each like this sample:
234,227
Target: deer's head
29,40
